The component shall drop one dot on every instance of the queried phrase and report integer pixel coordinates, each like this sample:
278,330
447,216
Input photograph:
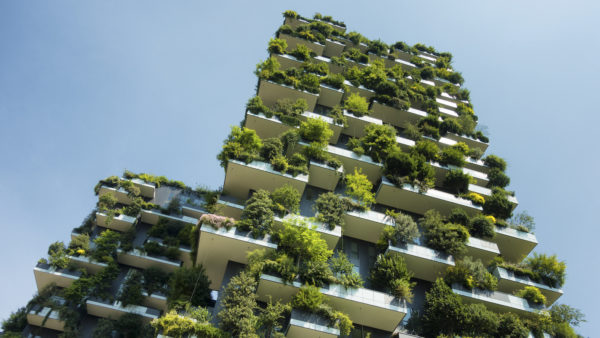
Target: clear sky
90,88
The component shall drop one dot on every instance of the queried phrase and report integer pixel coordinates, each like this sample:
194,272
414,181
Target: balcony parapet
46,275
510,282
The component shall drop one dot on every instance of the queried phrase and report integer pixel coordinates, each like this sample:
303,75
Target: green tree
359,187
442,312
379,141
447,237
189,285
239,303
286,199
315,130
258,214
241,144
271,318
57,255
390,274
330,208
548,269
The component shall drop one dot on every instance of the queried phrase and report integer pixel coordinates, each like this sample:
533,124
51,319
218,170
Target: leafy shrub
277,46
258,214
57,255
239,303
271,148
242,143
315,130
511,326
308,298
330,209
132,290
378,141
334,80
471,274
404,230
302,52
189,285
547,269
279,163
290,14
286,198
482,227
498,205
426,148
343,271
457,181
532,294
494,161
390,274
475,198
377,47
357,105
458,216
446,237
106,246
452,156
412,132
359,187
497,178
523,220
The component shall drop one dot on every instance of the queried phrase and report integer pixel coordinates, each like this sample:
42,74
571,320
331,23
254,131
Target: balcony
120,223
482,249
350,161
476,165
45,317
363,306
155,301
287,61
366,225
240,178
395,116
140,259
510,282
360,90
114,310
267,127
331,236
441,170
425,263
184,251
332,47
514,245
295,22
218,246
87,263
152,217
324,176
46,275
410,199
497,301
486,192
270,92
120,194
333,68
193,212
146,189
330,96
293,41
471,142
357,124
308,325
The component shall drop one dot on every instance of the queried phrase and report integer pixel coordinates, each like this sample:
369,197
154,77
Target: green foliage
279,163
271,148
286,199
343,271
482,227
405,229
330,209
104,328
452,156
390,274
189,285
315,130
379,141
411,131
302,242
57,255
357,105
498,205
523,220
442,311
308,298
458,216
378,47
290,14
426,148
497,178
447,237
547,269
359,187
511,326
106,246
532,294
334,80
131,325
258,214
277,46
154,280
132,290
471,274
175,325
16,322
239,303
107,202
242,144
271,317
494,161
457,181
562,313
256,106
302,52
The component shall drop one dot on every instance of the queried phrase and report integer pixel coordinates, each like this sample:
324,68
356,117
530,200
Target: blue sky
88,89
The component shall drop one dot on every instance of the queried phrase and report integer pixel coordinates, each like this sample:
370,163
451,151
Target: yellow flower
491,218
81,251
476,198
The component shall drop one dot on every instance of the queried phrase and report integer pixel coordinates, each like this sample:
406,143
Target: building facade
367,150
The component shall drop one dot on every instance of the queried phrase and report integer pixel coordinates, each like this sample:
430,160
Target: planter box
395,116
330,96
425,263
333,48
120,223
46,275
482,249
514,245
152,217
509,282
356,125
87,263
360,90
497,301
366,225
139,259
323,176
52,321
115,310
293,41
120,194
309,325
270,92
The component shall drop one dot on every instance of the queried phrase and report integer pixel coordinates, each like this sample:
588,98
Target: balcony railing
363,306
425,263
241,178
218,246
120,194
293,41
84,262
120,223
514,244
46,275
497,301
510,282
366,225
271,92
308,325
45,317
153,216
115,310
140,259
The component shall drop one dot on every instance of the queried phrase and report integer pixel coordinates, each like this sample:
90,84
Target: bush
411,131
343,271
497,178
359,187
357,105
399,164
132,290
511,326
277,46
443,311
426,148
334,80
390,274
457,181
16,322
379,141
471,274
57,255
302,52
330,209
498,205
547,269
239,304
279,163
452,156
290,14
482,227
458,216
494,161
315,130
446,237
271,148
308,298
189,285
242,143
405,229
105,246
475,198
532,294
286,198
258,214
